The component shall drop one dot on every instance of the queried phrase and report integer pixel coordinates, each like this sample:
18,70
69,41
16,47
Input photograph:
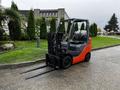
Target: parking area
101,73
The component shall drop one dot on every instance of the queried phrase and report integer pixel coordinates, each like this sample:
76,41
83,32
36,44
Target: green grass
98,42
27,51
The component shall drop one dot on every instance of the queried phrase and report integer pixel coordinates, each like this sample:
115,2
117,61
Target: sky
98,11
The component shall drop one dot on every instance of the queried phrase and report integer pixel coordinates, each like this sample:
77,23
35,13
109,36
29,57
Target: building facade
0,4
47,13
1,7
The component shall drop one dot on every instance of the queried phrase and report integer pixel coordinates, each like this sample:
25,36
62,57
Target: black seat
77,37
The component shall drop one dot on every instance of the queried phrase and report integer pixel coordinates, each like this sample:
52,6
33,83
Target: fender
82,55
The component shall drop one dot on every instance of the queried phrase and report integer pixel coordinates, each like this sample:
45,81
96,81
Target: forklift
70,47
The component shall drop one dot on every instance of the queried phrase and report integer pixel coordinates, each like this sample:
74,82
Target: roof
24,12
77,20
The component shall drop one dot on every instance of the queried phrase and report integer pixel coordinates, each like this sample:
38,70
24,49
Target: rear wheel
67,62
87,57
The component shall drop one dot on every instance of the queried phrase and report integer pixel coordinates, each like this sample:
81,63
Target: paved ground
101,73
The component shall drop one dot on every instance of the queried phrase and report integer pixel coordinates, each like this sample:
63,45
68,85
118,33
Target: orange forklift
71,46
67,48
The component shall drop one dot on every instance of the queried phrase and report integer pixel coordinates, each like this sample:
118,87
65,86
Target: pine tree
14,29
93,30
14,24
1,33
53,25
31,25
2,18
43,29
112,24
14,6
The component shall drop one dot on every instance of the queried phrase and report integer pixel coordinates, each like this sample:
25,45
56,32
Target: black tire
66,62
87,57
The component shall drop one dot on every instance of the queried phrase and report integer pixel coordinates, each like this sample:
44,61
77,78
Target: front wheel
87,57
66,62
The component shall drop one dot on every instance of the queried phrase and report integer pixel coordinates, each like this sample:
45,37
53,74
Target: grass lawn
98,42
27,51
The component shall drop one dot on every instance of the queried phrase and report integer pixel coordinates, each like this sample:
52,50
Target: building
47,13
1,7
0,2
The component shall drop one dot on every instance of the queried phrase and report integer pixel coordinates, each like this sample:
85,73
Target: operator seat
84,36
78,43
77,38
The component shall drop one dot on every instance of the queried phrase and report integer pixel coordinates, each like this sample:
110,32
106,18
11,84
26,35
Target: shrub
93,30
43,29
53,24
14,23
14,29
31,25
24,36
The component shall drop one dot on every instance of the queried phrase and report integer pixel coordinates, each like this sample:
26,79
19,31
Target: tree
12,15
43,29
14,6
1,33
62,25
112,24
53,24
83,26
14,29
31,25
14,23
93,30
2,18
